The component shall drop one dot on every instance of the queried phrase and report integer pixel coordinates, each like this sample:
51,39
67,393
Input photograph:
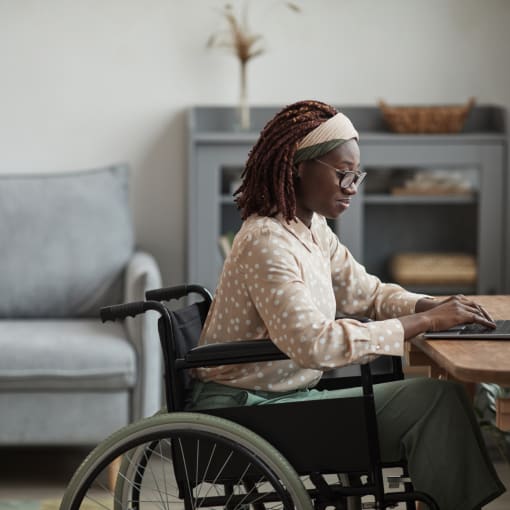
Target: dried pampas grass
243,44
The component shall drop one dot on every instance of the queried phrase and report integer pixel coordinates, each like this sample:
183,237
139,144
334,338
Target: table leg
113,471
418,363
503,414
416,359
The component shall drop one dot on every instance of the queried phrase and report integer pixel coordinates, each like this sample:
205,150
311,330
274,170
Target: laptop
473,332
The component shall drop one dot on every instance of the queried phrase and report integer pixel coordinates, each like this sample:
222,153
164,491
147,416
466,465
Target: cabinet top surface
218,124
240,138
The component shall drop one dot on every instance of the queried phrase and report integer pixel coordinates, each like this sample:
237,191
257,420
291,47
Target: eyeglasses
346,178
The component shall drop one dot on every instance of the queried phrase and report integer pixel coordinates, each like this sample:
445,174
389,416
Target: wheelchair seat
312,454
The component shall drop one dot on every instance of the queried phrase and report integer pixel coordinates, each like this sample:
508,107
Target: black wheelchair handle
177,292
114,312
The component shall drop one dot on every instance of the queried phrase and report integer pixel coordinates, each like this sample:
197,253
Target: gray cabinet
378,224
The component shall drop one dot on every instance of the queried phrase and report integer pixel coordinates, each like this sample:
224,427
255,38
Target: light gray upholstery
66,239
47,353
67,248
142,274
39,418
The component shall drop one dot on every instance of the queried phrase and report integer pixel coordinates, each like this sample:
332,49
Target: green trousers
428,422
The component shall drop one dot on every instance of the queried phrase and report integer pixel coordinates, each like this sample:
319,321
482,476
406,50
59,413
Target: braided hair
268,178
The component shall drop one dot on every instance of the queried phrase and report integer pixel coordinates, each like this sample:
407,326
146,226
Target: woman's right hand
448,313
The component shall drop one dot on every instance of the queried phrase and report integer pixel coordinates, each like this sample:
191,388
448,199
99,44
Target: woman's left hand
427,303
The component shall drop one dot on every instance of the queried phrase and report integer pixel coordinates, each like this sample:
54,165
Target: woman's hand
441,314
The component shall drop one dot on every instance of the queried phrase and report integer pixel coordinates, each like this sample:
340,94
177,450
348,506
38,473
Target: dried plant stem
244,113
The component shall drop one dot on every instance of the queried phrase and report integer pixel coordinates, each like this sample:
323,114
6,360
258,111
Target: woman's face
318,184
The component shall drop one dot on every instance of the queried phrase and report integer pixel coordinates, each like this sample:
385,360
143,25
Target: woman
288,275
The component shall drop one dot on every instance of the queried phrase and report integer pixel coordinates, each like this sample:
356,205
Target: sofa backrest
65,240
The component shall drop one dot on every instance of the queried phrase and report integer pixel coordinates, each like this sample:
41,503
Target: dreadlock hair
268,178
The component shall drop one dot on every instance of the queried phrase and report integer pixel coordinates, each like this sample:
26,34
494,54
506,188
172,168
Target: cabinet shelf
386,199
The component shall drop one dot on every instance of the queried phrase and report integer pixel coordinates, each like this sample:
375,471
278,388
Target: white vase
244,107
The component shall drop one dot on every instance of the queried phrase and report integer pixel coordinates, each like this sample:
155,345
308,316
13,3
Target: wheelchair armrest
249,351
229,353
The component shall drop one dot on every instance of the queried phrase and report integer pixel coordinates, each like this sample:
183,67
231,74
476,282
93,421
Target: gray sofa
66,249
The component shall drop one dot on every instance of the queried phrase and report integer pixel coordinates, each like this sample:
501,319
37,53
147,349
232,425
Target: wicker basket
433,269
426,119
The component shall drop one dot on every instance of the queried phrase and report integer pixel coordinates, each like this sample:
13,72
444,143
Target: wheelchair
312,455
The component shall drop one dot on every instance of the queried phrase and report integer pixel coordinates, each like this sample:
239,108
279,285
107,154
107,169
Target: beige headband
326,137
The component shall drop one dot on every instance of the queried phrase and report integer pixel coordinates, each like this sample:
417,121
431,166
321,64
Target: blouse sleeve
273,278
360,293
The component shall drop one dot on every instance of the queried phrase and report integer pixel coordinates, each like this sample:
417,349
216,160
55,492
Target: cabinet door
378,224
212,211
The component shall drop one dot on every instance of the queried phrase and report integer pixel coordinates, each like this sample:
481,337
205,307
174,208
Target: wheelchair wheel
186,461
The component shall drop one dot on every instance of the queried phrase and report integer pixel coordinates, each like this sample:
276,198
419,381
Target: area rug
46,504
20,505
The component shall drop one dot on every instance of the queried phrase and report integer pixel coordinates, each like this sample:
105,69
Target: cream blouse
287,282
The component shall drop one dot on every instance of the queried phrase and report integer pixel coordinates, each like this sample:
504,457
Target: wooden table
469,361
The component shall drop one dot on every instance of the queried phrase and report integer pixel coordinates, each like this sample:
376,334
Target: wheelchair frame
316,459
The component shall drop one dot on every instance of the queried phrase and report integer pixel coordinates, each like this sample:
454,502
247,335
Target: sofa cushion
43,417
67,355
65,239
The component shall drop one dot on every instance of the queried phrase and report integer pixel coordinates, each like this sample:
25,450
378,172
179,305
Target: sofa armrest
142,273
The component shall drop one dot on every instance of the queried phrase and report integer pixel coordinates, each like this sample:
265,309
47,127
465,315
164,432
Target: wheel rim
181,468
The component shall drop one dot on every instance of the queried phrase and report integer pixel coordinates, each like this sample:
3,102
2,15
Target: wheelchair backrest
187,324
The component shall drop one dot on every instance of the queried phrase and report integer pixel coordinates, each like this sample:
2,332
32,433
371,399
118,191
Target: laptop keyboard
501,327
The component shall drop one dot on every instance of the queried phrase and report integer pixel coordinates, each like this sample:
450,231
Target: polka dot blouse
287,282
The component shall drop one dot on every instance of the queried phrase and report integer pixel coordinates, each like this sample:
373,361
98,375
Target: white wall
90,82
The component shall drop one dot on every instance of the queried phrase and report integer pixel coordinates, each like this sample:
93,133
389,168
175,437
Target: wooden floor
44,473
